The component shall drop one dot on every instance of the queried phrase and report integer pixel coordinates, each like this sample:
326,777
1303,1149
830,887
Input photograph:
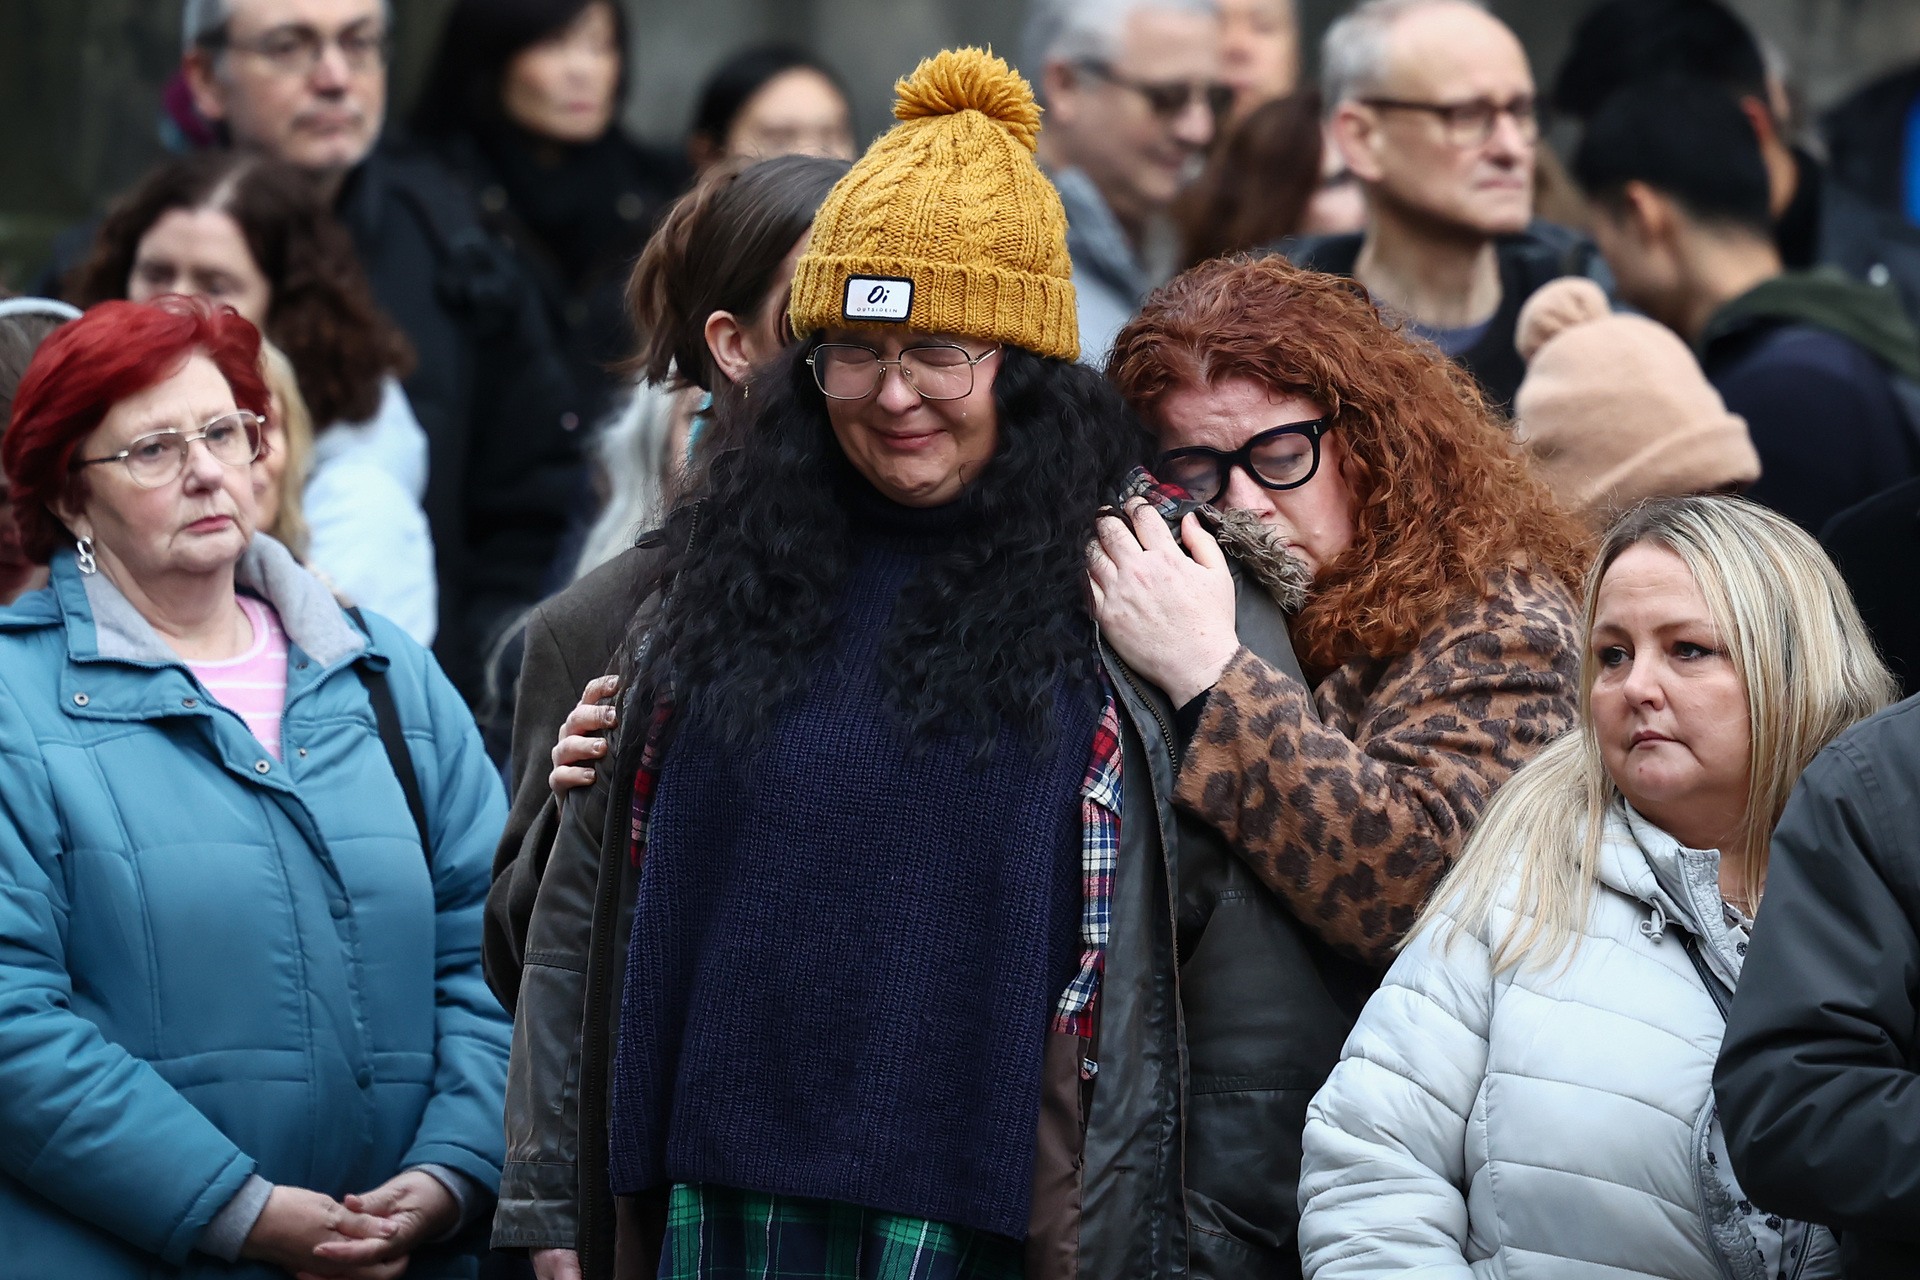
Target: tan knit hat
947,225
1614,408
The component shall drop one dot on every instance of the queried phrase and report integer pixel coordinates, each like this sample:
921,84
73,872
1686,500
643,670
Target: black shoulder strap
386,718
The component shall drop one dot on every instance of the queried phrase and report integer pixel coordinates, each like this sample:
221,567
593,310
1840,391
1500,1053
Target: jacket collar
1095,239
1676,884
103,625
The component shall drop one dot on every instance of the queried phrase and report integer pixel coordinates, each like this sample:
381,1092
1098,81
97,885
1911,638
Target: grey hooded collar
1678,885
309,614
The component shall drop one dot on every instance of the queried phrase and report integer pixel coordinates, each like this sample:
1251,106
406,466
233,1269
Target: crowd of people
1153,675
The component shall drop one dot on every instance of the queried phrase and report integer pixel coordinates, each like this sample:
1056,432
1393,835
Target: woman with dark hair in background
252,233
771,100
523,101
1258,183
710,294
709,297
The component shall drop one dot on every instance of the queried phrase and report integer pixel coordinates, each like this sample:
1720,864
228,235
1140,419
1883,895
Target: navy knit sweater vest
846,951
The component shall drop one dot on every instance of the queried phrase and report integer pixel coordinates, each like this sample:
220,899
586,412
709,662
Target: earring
83,552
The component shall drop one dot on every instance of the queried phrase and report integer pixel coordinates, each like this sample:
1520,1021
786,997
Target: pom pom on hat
970,80
1556,307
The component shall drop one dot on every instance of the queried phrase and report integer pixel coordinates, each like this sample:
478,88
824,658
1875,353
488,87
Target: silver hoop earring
83,552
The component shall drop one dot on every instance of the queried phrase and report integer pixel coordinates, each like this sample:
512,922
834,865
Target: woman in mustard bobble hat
867,759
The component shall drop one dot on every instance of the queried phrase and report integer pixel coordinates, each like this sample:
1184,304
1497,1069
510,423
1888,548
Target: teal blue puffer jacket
214,963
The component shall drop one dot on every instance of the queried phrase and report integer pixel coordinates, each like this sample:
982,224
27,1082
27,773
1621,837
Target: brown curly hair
1443,499
322,312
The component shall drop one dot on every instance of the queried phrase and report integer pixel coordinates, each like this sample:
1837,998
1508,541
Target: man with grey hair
1134,92
305,81
1431,104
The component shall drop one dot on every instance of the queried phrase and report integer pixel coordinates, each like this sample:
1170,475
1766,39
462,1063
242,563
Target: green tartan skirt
717,1233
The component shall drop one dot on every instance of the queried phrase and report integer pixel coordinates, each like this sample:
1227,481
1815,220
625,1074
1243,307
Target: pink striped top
253,685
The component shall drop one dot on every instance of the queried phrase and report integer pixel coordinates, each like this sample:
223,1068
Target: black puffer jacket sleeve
1817,1080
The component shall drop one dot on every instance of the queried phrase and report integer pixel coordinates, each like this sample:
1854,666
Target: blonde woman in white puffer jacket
1529,1094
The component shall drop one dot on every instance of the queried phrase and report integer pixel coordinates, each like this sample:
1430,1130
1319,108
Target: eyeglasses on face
1167,99
1284,457
234,440
938,371
1471,123
296,50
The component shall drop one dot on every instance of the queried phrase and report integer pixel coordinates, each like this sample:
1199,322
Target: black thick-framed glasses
1167,99
1471,123
1281,458
234,439
936,370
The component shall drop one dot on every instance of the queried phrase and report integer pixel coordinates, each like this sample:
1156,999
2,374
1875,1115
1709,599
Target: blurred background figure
1259,183
709,297
1338,205
522,102
1615,410
305,82
1815,361
252,233
24,324
771,100
1431,106
1134,92
1815,220
286,455
1876,544
1259,52
1873,143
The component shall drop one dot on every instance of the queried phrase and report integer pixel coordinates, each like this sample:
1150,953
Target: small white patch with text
888,298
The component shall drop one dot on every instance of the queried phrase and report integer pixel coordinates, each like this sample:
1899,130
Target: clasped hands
362,1237
1168,612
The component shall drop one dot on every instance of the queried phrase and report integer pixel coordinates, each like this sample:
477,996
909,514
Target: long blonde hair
290,414
1806,664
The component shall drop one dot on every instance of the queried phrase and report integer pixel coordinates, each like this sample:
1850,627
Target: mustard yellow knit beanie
947,225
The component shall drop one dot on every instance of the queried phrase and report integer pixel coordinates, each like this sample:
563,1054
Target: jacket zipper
1166,730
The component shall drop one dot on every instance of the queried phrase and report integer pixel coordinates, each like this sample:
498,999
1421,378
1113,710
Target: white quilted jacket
1547,1122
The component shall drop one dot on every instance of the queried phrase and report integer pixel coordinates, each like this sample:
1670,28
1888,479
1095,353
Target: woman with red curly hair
241,1017
1437,635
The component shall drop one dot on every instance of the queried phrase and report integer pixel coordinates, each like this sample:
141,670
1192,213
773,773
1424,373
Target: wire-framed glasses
1284,457
234,440
938,371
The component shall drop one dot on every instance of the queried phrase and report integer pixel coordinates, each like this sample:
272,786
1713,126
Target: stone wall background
80,79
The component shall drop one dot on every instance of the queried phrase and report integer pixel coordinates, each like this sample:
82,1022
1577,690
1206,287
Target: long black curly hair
982,635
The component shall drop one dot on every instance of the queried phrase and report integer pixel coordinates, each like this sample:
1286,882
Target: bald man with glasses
1431,105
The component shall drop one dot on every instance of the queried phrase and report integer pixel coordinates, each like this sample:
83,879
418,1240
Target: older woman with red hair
241,1016
1437,637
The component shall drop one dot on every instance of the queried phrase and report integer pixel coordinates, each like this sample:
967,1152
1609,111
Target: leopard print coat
1353,815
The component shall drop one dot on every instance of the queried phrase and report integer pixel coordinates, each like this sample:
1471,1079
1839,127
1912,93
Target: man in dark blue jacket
1816,362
